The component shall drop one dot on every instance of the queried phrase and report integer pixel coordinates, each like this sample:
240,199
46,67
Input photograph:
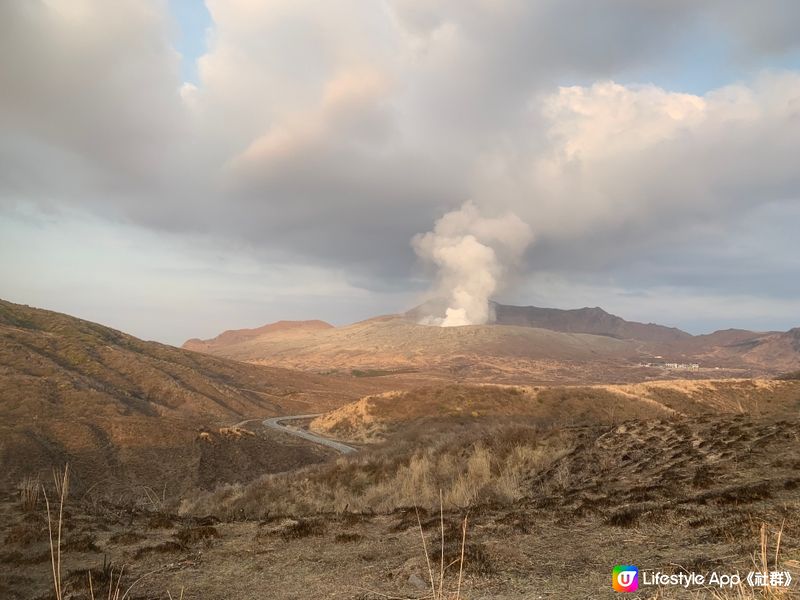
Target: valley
212,470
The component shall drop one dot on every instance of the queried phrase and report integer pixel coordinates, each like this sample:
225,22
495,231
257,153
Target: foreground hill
683,476
671,494
122,409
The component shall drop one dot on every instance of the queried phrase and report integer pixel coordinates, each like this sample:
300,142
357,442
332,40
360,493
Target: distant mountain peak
235,336
593,320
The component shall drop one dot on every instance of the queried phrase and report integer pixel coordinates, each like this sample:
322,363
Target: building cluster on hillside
672,365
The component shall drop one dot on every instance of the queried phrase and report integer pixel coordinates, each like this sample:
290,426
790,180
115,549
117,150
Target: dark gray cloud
331,135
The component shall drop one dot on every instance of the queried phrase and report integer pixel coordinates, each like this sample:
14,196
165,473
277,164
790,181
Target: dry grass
29,493
61,485
55,528
763,565
492,465
444,584
156,501
438,591
376,417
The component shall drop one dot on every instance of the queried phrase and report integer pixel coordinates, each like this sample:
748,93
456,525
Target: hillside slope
374,417
595,321
127,410
776,350
543,344
396,343
236,336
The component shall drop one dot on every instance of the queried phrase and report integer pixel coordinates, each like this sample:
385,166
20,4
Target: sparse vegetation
766,560
29,493
546,474
376,417
379,372
488,466
792,376
303,528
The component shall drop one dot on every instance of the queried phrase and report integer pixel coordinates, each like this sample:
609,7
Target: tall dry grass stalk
156,500
438,591
61,481
61,485
761,564
115,591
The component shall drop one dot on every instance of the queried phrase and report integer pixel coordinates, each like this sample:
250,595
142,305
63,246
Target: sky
177,168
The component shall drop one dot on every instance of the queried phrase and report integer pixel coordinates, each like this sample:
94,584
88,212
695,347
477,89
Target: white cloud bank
331,133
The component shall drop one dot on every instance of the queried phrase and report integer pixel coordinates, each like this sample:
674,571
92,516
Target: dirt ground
671,495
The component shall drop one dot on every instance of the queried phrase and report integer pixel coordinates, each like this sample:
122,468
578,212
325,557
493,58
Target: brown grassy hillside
122,409
528,344
236,336
463,439
684,483
779,351
395,343
374,417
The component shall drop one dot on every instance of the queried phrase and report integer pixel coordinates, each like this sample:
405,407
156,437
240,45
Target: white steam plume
473,254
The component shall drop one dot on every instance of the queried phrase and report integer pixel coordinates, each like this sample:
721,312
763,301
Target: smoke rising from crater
473,255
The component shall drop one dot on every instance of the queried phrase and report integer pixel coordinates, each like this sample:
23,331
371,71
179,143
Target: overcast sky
177,168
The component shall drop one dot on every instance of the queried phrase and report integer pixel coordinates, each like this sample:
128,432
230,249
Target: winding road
278,423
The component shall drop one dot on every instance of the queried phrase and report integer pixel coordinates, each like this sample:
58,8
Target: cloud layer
330,134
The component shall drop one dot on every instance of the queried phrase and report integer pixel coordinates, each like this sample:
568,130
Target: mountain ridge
520,338
595,321
233,336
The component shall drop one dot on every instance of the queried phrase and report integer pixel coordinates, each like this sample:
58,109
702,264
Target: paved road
277,423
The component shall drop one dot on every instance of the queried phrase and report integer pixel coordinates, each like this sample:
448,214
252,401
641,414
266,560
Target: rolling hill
586,345
237,336
123,410
779,351
395,343
376,417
